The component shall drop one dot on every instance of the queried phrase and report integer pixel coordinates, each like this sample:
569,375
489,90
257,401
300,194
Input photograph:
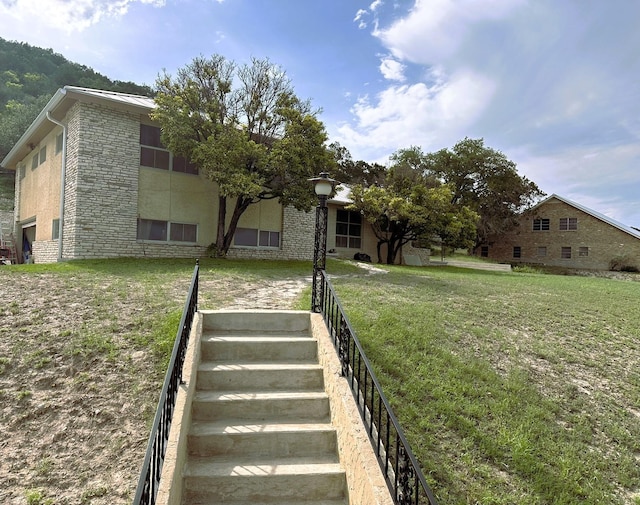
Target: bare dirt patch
79,386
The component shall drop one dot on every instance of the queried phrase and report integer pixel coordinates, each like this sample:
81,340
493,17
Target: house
561,233
93,180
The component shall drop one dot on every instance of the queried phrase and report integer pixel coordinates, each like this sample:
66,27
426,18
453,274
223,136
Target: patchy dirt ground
73,367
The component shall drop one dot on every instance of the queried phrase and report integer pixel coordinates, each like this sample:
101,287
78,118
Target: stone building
94,181
561,233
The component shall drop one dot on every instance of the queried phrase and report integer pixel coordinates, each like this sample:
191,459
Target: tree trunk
241,205
222,217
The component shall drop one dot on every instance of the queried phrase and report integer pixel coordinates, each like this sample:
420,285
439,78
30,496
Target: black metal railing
157,445
401,470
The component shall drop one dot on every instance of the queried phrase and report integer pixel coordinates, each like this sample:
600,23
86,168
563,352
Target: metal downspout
63,171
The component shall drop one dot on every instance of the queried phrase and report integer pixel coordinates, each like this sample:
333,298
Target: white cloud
418,114
392,70
434,29
68,15
375,5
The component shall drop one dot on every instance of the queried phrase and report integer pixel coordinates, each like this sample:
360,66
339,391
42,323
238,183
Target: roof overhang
58,107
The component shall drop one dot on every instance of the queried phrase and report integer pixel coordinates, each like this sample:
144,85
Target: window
153,154
269,239
252,237
517,251
566,253
21,171
568,223
583,251
181,232
542,251
540,224
348,229
484,251
151,229
55,229
39,158
59,143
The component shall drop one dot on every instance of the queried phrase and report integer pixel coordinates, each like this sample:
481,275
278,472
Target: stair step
273,321
301,406
263,348
272,439
259,376
301,501
253,480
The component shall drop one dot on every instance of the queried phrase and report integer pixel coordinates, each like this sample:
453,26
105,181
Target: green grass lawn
512,388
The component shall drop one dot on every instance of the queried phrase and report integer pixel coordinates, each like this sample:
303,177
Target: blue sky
553,84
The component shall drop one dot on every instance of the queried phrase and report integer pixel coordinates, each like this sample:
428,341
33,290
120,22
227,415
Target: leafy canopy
411,205
484,180
246,130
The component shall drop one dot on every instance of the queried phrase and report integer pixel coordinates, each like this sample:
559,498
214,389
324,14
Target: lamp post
323,186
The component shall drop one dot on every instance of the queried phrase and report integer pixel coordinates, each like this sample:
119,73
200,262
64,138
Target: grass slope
512,388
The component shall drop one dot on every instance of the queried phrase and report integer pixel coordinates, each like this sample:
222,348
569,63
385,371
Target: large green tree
410,205
246,130
484,180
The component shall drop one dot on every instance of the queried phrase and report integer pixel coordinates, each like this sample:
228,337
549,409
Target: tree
246,130
484,180
350,172
410,205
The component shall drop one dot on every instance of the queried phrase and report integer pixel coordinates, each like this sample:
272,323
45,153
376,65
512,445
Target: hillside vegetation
29,76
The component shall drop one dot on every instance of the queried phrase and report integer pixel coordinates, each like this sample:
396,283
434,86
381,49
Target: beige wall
603,241
41,188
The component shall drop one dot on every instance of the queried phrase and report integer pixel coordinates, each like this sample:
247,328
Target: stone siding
601,241
102,183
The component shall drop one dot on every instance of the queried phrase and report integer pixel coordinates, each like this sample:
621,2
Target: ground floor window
55,229
542,251
517,251
484,251
154,229
348,229
565,253
583,251
253,237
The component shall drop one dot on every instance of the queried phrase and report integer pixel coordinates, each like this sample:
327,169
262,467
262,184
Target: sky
552,84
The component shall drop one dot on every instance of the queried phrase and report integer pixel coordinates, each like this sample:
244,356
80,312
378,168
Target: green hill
29,76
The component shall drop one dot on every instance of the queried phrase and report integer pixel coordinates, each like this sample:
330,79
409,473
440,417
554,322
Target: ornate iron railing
157,445
401,470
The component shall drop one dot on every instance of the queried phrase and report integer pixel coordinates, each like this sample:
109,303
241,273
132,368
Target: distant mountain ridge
29,76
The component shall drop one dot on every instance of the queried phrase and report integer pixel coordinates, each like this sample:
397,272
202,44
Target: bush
623,264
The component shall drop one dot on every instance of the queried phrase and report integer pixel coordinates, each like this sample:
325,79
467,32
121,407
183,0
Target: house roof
58,106
591,212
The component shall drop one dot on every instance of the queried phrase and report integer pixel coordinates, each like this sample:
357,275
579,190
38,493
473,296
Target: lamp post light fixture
323,186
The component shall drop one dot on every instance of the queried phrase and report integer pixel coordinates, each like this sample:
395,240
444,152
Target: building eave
591,212
58,106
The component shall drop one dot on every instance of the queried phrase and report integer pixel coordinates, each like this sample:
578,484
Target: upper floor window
568,223
540,224
39,157
59,143
153,154
348,229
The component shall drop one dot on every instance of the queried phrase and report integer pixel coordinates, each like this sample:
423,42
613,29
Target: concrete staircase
261,429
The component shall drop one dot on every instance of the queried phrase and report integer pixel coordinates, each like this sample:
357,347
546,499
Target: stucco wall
603,241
